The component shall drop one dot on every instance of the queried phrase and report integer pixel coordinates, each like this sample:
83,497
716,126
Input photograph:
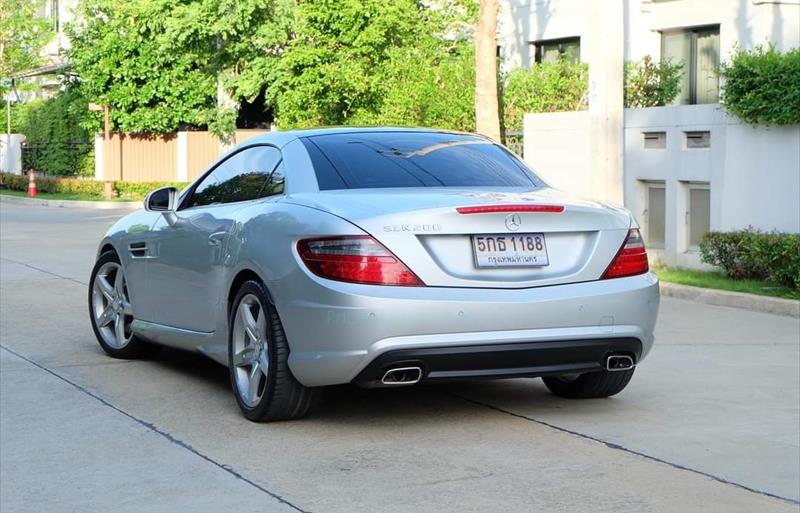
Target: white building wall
753,172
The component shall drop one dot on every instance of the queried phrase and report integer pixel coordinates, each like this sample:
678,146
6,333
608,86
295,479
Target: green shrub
132,191
138,190
751,254
544,87
57,144
651,84
763,86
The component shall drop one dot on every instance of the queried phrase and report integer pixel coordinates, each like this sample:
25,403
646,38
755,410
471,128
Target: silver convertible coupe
379,257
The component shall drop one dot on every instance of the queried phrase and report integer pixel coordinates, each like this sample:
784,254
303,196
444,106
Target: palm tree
487,117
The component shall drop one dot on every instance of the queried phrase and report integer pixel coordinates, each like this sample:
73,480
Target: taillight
631,258
357,259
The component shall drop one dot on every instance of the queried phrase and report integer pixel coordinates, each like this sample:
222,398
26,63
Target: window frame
539,44
692,64
187,195
690,186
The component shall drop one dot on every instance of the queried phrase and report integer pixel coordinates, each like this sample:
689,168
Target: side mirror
164,200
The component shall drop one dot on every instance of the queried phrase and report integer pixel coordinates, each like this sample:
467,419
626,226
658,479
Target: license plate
510,250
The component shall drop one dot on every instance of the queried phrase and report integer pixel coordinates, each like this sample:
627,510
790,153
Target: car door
184,271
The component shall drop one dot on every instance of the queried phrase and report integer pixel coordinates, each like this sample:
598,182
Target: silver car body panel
180,276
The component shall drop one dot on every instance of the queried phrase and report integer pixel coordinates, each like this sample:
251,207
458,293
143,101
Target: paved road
710,422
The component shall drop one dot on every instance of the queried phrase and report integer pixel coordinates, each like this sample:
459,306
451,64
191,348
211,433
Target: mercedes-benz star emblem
513,222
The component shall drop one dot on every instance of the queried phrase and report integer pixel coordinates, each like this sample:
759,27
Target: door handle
215,239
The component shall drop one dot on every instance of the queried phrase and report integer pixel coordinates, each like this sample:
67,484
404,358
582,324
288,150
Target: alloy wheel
111,306
250,350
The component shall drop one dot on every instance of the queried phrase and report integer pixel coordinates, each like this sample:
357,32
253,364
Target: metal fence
514,141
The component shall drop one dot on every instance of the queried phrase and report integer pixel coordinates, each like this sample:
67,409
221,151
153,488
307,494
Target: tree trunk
487,117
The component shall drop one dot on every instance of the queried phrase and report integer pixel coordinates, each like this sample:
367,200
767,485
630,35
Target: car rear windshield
371,160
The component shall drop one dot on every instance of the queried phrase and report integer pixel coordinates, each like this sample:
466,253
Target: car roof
281,138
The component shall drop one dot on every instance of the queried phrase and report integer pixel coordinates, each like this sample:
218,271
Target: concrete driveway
710,422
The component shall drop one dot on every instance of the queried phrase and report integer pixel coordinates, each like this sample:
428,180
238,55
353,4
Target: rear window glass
371,160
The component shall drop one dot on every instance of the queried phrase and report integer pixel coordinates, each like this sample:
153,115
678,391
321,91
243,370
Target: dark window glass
568,49
241,177
369,160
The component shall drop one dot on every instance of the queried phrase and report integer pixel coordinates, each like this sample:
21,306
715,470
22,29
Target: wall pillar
605,47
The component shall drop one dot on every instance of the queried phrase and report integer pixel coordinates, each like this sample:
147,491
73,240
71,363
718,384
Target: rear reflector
631,258
355,259
496,209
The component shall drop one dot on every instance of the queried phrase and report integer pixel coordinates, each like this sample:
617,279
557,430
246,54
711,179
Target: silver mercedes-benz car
379,257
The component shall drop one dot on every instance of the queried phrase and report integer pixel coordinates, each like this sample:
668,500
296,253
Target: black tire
283,397
136,347
590,385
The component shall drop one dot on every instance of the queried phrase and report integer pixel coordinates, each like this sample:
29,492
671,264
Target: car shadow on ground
349,404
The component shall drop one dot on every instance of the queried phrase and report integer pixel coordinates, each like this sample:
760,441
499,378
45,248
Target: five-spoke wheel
111,311
258,357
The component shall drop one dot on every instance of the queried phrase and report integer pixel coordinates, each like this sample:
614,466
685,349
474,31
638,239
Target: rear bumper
529,359
337,331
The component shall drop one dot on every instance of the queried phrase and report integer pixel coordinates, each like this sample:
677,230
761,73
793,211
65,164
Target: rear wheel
589,385
111,312
258,355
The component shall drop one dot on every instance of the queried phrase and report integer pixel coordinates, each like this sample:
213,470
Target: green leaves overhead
157,63
22,35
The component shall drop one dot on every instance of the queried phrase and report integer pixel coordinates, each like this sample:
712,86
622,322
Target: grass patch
60,196
717,280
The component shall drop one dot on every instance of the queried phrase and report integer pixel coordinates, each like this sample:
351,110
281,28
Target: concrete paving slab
460,447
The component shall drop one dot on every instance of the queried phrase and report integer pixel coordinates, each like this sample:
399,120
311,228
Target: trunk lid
423,228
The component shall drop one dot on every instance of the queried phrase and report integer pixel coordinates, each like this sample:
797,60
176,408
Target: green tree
351,61
157,63
651,84
22,36
544,87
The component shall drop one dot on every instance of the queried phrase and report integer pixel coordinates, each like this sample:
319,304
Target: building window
697,50
698,213
656,214
554,49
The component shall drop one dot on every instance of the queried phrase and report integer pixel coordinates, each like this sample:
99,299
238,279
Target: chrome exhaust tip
619,362
402,376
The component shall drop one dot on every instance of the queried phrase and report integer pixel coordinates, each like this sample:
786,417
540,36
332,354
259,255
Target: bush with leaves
544,87
763,86
57,143
752,254
651,84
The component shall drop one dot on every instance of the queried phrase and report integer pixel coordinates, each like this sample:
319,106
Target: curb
97,205
766,304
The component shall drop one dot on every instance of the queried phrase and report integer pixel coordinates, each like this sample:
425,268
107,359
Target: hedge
544,87
84,187
57,144
763,86
752,254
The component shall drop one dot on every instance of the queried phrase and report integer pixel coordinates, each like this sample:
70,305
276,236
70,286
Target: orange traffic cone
32,190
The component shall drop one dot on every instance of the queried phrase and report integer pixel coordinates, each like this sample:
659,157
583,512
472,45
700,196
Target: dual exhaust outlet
412,375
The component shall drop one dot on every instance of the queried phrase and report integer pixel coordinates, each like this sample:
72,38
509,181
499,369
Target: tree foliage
544,87
651,84
351,62
22,36
157,63
763,86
